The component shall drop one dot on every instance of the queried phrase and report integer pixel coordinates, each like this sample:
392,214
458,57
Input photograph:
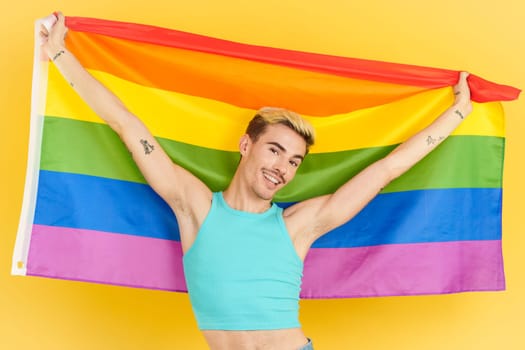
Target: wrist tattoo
459,113
457,92
148,147
58,54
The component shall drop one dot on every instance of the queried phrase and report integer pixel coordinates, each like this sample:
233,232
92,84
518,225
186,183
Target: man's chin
266,197
267,194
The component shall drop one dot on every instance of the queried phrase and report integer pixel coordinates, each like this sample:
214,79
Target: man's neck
244,199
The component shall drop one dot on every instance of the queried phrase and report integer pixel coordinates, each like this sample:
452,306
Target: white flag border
38,95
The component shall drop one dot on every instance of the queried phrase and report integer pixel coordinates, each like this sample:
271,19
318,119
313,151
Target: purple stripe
404,269
396,269
103,257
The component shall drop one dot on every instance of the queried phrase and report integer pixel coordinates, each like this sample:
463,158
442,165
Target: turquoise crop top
242,271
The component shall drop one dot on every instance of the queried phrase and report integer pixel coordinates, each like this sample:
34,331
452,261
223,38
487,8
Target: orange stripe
240,82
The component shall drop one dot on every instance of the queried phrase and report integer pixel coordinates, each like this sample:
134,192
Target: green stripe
94,149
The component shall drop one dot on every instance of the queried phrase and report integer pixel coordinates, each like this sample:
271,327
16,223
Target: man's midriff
280,339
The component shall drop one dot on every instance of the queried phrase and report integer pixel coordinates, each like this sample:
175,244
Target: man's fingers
60,17
463,76
462,84
43,30
49,21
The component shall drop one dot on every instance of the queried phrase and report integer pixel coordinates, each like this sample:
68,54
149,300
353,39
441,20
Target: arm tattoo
148,147
457,92
459,113
433,141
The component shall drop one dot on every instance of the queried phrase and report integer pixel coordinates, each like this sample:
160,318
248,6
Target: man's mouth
273,178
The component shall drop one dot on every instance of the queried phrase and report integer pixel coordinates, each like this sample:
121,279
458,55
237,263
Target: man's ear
244,144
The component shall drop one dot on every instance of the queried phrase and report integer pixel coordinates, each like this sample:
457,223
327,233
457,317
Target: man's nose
281,166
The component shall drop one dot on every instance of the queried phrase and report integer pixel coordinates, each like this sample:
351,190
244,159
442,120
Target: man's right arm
185,193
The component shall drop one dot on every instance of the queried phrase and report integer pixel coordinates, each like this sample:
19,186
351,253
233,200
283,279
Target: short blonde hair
274,115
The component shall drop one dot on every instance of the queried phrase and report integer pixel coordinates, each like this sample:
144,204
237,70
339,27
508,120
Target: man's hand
53,39
462,103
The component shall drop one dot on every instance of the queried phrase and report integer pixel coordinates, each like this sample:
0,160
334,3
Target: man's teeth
271,178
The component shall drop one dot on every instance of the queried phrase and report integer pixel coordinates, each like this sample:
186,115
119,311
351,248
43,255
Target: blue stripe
101,204
97,203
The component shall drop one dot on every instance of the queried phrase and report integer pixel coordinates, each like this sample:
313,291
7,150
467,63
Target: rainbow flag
89,215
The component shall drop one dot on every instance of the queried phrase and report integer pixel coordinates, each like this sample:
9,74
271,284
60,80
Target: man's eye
295,164
274,151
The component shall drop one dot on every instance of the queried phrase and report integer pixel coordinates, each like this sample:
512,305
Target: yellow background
484,37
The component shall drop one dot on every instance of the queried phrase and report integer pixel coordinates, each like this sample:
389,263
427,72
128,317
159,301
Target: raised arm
334,210
184,192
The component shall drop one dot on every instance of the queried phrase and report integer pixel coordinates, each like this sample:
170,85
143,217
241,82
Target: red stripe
482,90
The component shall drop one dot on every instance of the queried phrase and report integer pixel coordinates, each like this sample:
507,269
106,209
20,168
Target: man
243,255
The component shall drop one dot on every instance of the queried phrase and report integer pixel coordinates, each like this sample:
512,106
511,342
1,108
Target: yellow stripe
214,124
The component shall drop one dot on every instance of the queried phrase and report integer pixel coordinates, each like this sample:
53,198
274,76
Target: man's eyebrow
278,145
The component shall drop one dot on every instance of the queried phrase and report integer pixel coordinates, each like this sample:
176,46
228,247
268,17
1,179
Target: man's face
273,159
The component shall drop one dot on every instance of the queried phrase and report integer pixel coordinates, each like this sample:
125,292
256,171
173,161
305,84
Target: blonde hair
274,115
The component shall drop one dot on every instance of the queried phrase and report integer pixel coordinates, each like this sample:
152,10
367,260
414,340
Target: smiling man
243,255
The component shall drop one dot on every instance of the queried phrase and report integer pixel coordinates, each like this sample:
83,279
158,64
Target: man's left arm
317,216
